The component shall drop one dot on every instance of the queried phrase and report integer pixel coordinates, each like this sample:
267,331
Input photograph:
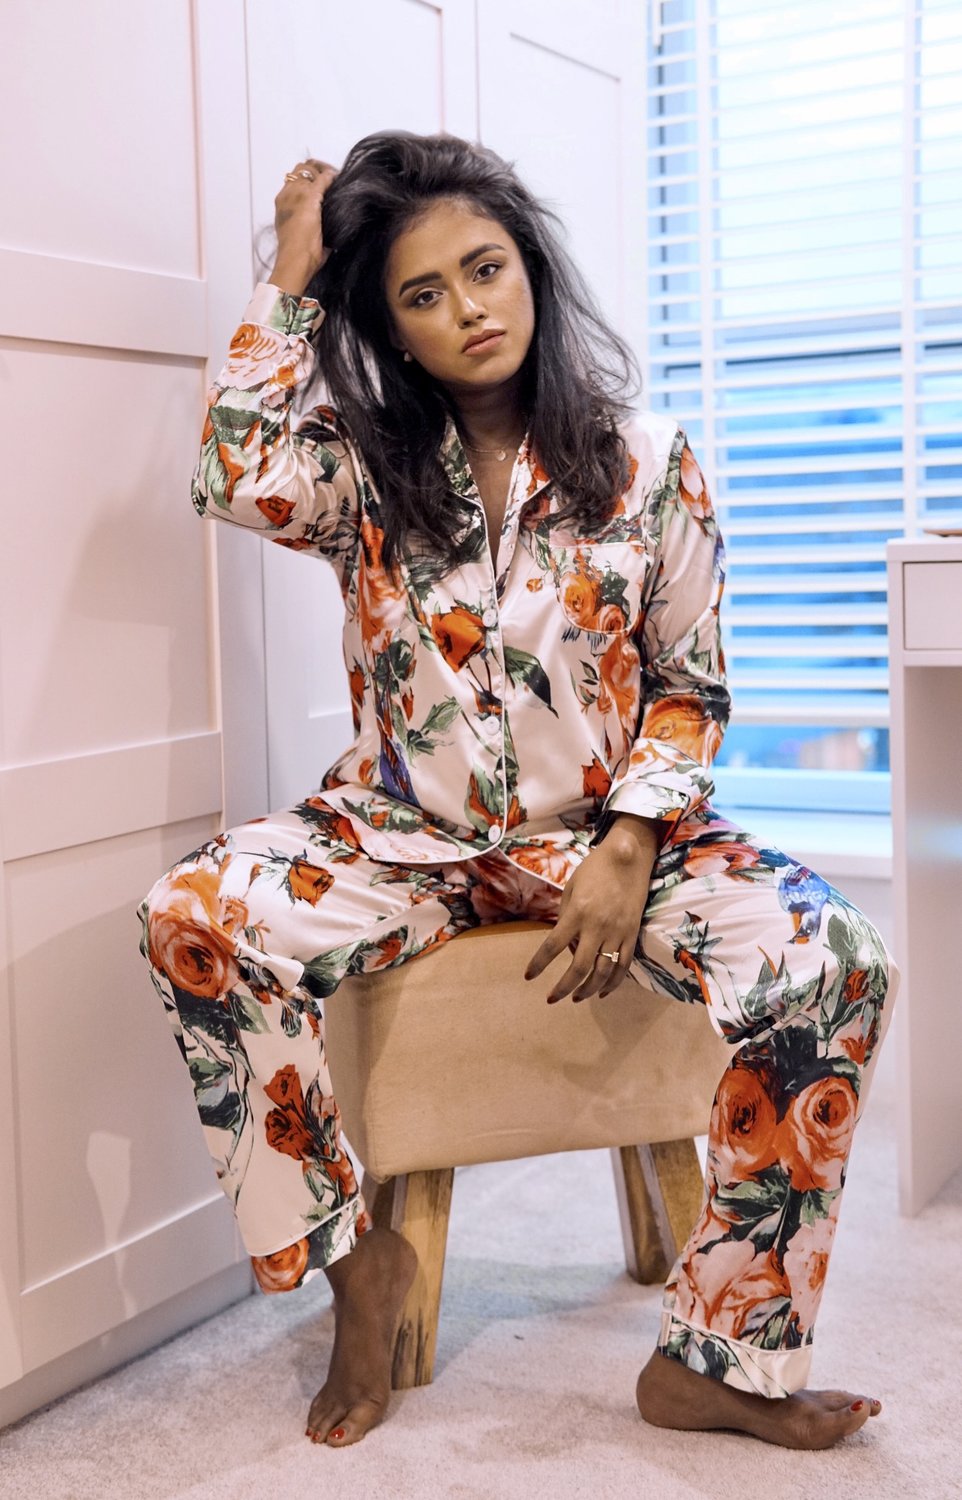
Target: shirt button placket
492,725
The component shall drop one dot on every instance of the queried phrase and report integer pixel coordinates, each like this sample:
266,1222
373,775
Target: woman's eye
492,264
417,300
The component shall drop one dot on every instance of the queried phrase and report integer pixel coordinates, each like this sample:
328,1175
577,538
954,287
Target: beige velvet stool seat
454,1058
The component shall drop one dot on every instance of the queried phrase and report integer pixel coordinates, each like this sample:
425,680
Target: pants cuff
299,1261
763,1372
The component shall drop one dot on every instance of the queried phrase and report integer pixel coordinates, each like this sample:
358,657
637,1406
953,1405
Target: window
805,263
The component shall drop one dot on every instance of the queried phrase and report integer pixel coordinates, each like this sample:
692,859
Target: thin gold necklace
500,453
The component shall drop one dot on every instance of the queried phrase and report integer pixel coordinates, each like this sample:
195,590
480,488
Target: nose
470,310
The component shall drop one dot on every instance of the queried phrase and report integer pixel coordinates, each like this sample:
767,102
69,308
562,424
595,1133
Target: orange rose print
282,1271
580,596
691,486
596,781
190,933
507,889
684,722
619,674
389,948
743,1125
806,1262
308,882
460,634
277,511
723,1286
542,859
380,596
580,590
720,859
253,351
286,1127
815,1136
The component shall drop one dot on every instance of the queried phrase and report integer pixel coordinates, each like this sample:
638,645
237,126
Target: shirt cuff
673,796
272,307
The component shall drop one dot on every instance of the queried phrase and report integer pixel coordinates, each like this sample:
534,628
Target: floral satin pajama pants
248,936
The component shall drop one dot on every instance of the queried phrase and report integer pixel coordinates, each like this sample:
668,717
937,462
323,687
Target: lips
488,336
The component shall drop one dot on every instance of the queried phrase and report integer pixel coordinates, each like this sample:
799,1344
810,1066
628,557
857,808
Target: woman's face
450,276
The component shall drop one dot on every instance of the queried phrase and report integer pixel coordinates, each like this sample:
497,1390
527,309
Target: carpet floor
542,1335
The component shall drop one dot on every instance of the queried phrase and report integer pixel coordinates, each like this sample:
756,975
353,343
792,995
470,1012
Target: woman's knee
187,924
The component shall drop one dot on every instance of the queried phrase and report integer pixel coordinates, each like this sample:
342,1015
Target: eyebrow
436,275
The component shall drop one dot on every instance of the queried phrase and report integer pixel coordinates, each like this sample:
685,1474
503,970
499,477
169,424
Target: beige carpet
542,1334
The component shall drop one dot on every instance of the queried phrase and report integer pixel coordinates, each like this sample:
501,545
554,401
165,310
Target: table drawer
933,606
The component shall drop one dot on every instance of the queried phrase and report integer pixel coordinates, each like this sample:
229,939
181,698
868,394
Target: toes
359,1421
323,1416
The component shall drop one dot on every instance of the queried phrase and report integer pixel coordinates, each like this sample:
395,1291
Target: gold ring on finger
615,957
289,177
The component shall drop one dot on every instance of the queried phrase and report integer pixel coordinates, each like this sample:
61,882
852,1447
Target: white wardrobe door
110,744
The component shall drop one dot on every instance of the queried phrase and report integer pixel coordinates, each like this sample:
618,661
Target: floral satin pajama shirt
503,714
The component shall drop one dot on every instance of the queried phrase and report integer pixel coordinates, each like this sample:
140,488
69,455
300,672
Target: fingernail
337,1433
857,1405
553,999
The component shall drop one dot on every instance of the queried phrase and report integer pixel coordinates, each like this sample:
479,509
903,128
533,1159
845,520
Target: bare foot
669,1394
369,1285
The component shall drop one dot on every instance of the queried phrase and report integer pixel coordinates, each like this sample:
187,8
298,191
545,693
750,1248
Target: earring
407,355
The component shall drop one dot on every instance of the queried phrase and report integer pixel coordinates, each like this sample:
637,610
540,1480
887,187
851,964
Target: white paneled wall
113,1231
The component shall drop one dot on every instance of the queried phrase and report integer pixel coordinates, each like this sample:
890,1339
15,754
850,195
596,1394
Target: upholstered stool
454,1058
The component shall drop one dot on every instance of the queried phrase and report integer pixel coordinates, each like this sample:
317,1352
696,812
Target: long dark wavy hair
578,378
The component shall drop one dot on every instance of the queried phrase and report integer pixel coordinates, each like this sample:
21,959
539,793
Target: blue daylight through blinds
805,306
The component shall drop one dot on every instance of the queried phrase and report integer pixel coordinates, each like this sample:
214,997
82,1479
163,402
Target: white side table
925,646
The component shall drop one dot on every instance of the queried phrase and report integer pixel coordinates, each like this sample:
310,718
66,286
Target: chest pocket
600,584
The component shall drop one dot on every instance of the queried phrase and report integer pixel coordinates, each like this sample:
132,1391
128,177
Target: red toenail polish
338,1433
857,1405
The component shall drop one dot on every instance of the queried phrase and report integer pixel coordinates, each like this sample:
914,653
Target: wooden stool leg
417,1206
660,1192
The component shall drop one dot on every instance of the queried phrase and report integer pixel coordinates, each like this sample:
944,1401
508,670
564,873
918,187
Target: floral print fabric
550,680
248,938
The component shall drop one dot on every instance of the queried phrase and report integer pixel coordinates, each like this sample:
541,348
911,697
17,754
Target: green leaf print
441,716
749,1203
232,426
816,1203
246,1012
218,1104
206,1071
524,668
401,656
841,940
766,1324
224,1113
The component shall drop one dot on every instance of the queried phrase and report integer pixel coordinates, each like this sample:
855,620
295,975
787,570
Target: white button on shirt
494,832
490,618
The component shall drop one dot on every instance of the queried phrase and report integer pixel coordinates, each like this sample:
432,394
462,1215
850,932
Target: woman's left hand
601,910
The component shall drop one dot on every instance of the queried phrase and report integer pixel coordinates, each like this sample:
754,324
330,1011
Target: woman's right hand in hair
297,219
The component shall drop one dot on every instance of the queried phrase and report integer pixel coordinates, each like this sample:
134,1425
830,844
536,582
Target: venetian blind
805,243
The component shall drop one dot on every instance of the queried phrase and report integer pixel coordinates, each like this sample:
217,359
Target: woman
531,575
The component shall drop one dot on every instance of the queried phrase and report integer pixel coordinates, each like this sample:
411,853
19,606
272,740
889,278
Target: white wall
112,1227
